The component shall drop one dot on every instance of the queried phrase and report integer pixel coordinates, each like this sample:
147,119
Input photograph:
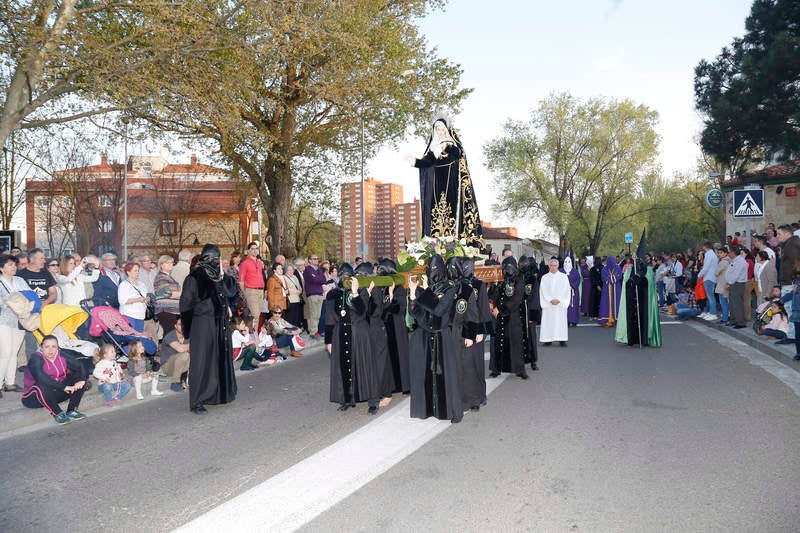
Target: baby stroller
763,315
62,321
109,325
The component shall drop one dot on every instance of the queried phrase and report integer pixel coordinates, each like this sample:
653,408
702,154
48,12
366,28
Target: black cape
595,286
533,316
204,316
636,303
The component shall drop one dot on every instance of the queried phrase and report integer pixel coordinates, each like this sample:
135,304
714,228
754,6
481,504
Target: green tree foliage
577,164
65,60
750,94
302,79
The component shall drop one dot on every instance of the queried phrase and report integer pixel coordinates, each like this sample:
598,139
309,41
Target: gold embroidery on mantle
442,220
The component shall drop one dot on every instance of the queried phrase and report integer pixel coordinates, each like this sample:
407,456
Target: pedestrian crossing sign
748,203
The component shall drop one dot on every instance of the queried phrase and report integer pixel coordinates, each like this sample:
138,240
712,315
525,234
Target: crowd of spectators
278,302
736,285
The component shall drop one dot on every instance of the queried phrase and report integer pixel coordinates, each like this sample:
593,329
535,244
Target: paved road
691,437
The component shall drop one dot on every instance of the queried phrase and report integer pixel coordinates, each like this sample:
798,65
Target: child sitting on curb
109,374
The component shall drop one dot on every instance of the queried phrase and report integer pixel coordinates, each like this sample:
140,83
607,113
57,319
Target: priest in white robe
554,295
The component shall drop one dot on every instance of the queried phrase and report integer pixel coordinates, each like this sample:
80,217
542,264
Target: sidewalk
783,353
16,418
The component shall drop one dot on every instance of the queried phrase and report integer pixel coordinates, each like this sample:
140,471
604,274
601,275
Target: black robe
533,316
595,286
636,315
204,316
381,361
478,350
435,389
394,320
467,325
509,351
354,374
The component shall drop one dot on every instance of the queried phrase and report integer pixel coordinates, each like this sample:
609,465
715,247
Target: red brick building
389,222
170,206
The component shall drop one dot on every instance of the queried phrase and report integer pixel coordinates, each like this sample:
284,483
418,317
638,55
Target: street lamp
125,192
196,239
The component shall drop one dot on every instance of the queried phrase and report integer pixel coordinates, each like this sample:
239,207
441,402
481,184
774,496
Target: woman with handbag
11,336
133,299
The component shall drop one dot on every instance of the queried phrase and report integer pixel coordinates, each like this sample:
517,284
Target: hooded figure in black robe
476,352
435,389
205,318
636,303
533,308
394,321
467,327
447,197
509,352
354,374
381,377
596,288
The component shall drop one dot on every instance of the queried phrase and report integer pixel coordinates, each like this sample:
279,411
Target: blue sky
516,52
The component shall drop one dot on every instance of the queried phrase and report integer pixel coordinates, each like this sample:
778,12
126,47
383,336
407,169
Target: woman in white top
11,336
133,299
72,279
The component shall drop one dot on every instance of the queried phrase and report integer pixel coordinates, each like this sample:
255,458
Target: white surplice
554,325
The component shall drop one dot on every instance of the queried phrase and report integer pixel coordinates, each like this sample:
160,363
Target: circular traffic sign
714,198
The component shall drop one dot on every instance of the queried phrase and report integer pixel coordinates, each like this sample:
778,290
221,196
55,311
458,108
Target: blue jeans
114,390
723,306
136,323
711,305
684,311
661,289
282,341
778,334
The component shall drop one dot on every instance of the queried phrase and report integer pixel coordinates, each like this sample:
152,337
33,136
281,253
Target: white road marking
789,376
327,477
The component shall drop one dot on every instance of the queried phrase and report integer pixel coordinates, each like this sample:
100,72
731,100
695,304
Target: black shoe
562,343
246,368
494,374
343,407
547,343
523,375
373,409
199,410
475,408
534,366
785,341
455,420
797,357
737,326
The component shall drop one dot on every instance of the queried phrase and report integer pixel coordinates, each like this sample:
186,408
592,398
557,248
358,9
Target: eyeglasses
277,312
315,258
51,265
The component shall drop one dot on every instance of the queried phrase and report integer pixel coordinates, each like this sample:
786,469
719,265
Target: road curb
16,418
783,353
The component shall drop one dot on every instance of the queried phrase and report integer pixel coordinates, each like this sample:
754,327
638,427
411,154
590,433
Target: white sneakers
707,316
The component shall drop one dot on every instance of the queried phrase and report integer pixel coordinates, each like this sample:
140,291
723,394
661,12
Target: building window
168,227
42,201
104,201
105,226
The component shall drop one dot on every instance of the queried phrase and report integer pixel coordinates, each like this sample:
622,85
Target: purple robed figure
574,312
612,289
586,286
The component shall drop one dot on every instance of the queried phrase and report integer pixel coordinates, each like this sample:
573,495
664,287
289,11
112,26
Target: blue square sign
748,203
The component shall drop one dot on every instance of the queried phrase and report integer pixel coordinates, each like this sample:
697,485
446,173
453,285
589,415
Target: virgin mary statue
447,197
